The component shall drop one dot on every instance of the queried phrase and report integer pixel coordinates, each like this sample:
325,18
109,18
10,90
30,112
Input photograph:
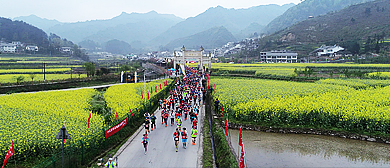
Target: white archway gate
188,56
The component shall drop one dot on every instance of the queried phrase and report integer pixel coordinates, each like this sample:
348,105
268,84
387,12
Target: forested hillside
21,31
362,28
305,9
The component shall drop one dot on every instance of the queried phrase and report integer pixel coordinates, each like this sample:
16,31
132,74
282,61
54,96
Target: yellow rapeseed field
323,104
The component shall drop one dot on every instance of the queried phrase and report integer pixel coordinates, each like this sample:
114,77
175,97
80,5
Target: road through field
161,147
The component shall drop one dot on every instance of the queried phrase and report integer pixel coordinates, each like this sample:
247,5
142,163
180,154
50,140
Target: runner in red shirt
184,135
176,136
166,118
195,122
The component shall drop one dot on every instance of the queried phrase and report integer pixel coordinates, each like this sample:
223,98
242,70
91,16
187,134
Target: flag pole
238,145
14,154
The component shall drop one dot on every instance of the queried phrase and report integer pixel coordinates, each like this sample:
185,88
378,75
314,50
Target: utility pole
44,72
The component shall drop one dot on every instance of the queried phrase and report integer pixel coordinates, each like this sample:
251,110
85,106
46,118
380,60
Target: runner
162,116
195,122
110,163
147,115
172,118
176,135
194,133
153,119
147,124
179,121
184,135
166,118
185,115
145,141
161,103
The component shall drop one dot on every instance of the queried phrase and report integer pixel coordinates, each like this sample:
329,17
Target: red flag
155,88
242,159
89,117
131,111
117,119
240,138
151,89
148,95
142,94
215,88
227,124
223,111
207,75
10,152
160,86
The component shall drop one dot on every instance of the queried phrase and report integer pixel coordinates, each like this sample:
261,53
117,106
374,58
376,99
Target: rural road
161,147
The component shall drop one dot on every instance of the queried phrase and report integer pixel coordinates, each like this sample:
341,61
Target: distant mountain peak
153,12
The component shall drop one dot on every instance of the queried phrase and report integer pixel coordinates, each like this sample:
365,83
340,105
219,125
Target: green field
56,68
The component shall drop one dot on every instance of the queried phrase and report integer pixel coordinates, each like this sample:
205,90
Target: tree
104,70
89,68
32,76
125,68
352,46
19,79
310,71
347,73
367,46
297,72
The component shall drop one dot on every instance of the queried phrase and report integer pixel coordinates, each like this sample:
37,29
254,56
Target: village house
329,51
31,48
8,47
276,56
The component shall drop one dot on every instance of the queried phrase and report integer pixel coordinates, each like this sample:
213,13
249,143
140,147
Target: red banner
116,128
242,158
227,125
10,152
131,111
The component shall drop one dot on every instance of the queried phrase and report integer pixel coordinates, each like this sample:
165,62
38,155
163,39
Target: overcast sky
82,10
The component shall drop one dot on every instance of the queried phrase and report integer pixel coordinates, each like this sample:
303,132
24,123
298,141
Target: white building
327,51
31,48
8,47
66,49
278,57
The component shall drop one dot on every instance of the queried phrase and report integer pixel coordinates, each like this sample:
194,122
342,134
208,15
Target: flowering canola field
129,95
305,104
32,120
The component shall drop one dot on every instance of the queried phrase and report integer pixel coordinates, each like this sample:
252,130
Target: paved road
161,148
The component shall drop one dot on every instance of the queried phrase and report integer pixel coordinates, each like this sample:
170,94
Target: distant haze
76,10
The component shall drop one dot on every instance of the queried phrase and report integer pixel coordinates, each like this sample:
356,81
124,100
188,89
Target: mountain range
234,20
307,8
152,30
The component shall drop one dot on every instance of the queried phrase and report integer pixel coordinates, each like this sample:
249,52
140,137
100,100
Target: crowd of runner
182,104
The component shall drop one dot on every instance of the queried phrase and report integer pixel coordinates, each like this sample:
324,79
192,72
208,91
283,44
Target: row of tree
90,68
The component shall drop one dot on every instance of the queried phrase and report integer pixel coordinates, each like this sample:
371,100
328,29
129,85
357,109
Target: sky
83,10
